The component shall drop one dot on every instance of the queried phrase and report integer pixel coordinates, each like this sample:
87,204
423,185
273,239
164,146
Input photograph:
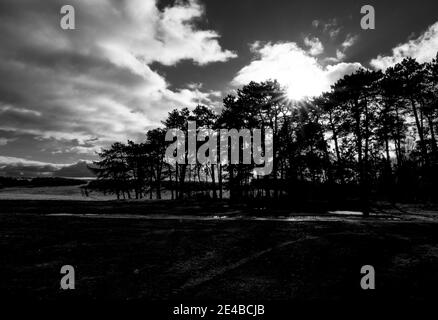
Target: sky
65,94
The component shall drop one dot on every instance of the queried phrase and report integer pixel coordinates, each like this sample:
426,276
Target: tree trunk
420,131
220,180
171,183
361,168
213,182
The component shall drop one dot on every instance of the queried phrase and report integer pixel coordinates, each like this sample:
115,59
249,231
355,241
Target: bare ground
211,259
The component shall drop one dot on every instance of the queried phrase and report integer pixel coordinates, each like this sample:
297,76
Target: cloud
195,85
167,36
334,32
293,67
423,49
340,55
335,72
25,162
331,27
315,46
97,80
349,41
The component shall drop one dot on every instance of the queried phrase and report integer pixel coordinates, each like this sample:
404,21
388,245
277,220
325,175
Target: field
50,193
196,251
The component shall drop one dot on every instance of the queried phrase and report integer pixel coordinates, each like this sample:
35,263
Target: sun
294,93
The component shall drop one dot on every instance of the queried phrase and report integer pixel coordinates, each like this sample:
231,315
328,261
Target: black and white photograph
219,158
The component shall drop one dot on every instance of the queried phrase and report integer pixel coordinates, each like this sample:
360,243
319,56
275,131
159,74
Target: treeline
372,135
7,182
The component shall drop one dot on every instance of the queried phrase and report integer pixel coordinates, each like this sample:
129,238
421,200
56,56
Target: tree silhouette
373,135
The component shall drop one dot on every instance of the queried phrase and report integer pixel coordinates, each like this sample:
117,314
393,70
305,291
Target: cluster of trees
372,134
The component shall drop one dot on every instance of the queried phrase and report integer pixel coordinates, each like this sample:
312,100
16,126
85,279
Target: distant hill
15,167
78,170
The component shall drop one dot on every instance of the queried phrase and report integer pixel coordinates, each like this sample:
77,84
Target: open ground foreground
183,254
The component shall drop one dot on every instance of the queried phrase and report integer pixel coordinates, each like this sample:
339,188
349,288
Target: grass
216,259
49,193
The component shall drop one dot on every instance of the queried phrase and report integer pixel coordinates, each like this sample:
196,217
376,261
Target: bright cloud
293,67
25,162
423,49
145,34
315,46
349,41
97,80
